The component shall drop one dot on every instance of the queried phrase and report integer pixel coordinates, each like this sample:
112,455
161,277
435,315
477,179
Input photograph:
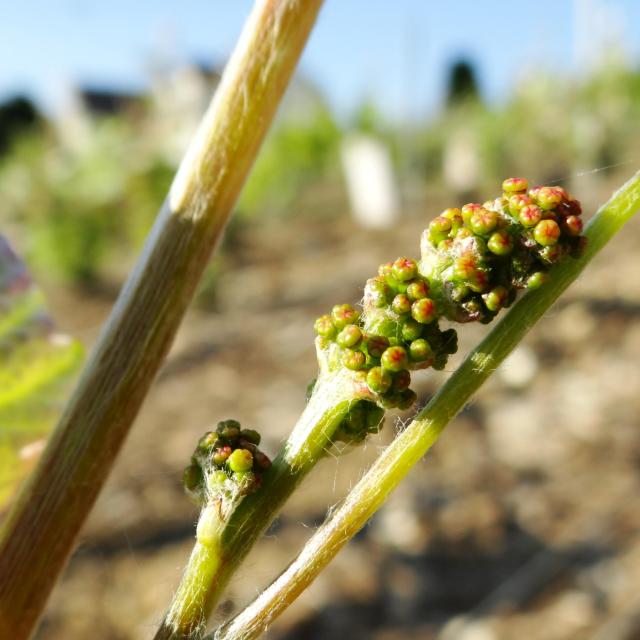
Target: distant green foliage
35,366
295,155
83,205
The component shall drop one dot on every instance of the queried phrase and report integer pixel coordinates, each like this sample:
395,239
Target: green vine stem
473,262
39,533
213,562
412,444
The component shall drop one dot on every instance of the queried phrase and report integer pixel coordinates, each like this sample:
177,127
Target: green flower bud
417,290
407,399
452,213
551,254
379,380
423,311
246,481
411,329
572,225
390,400
376,345
468,210
455,215
262,461
546,233
459,292
500,243
549,197
385,269
221,455
439,229
401,304
344,314
251,435
537,279
404,269
377,292
354,360
240,460
208,441
324,327
401,380
465,267
193,478
515,185
216,479
518,202
483,222
420,350
229,430
462,234
496,298
394,359
530,215
478,281
350,336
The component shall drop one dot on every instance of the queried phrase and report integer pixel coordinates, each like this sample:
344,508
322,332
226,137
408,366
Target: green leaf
36,364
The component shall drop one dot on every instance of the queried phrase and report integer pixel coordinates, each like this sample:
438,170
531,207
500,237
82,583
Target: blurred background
524,521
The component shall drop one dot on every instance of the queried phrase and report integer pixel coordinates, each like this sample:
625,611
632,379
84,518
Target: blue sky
394,51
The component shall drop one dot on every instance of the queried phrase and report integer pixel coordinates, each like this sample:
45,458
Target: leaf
36,365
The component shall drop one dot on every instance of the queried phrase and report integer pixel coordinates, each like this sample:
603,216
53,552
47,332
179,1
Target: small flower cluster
363,418
473,262
225,460
480,255
397,332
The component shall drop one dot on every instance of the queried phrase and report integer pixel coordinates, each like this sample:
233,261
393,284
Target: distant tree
462,84
16,116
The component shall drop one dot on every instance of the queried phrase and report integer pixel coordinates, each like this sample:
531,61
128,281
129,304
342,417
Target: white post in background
371,184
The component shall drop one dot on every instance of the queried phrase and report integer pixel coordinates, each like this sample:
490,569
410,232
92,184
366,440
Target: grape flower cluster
474,260
226,462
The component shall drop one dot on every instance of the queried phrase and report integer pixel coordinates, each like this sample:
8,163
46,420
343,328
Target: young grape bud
404,269
411,329
229,430
377,292
324,327
251,435
344,314
537,279
417,290
420,350
376,345
483,222
406,399
500,243
401,380
423,311
546,233
515,185
379,380
496,298
240,460
350,336
394,359
548,197
530,215
401,304
354,360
